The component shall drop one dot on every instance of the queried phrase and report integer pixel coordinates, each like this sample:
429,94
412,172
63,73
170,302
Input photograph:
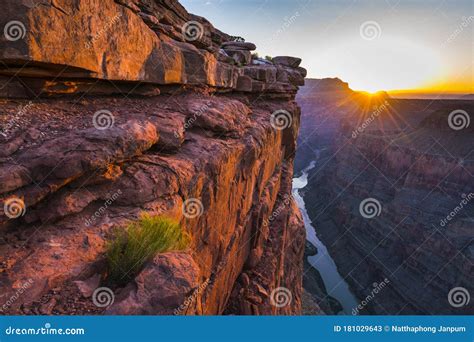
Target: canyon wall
391,198
114,108
323,102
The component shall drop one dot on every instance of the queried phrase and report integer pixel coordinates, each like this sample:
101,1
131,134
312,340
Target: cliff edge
114,108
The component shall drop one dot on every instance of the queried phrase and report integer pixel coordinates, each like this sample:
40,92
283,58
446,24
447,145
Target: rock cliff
111,108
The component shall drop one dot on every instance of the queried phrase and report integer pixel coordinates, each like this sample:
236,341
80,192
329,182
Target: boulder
302,71
239,46
87,287
162,288
121,47
292,62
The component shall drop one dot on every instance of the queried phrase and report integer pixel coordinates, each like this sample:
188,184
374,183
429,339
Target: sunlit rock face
392,195
102,120
151,42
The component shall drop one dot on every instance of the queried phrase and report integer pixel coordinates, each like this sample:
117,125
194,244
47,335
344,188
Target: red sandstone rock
178,127
231,156
239,46
292,62
161,288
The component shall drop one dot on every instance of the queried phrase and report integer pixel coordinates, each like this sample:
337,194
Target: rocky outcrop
278,256
416,170
155,291
103,120
156,42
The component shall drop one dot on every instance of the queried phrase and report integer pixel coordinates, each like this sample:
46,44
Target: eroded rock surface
102,120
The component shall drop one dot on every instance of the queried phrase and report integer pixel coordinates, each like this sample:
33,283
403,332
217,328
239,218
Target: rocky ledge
151,109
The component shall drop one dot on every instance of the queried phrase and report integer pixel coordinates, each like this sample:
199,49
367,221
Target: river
336,286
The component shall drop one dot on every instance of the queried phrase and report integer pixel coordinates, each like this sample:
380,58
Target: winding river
335,284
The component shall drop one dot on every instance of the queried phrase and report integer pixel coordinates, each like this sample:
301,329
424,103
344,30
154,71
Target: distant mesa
328,84
467,97
335,87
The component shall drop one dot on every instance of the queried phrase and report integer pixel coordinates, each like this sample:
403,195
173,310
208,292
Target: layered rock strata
102,120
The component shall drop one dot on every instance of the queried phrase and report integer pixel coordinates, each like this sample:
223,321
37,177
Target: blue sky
408,44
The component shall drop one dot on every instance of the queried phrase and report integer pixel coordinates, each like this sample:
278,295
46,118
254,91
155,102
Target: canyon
300,196
152,110
391,194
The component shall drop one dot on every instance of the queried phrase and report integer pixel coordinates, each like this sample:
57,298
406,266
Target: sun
371,93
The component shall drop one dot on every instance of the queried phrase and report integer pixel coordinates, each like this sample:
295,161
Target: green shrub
139,242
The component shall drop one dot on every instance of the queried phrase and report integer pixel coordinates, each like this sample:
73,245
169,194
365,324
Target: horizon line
427,90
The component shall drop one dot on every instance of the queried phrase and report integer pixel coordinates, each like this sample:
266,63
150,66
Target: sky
374,45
